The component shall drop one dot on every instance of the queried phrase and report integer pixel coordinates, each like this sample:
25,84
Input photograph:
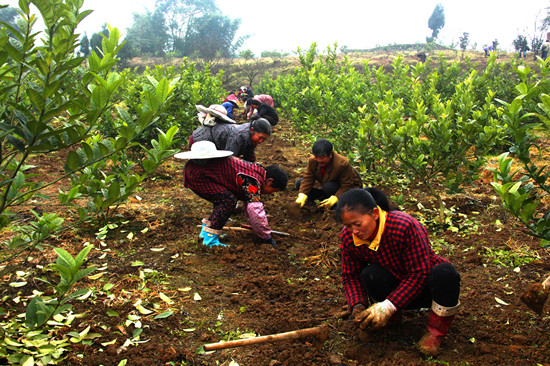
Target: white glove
377,315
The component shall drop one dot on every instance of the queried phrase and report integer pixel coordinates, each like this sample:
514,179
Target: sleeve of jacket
309,177
347,178
257,218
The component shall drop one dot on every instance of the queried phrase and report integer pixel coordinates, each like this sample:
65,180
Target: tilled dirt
252,288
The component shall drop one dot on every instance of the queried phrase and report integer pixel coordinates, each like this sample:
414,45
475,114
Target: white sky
284,25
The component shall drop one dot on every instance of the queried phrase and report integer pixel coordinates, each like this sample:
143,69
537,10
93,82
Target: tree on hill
85,46
212,36
246,54
464,41
148,34
273,54
436,22
178,16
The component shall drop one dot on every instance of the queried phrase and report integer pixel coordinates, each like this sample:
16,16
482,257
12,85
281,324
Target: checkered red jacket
220,175
404,252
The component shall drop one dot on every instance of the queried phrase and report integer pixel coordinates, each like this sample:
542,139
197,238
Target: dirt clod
535,297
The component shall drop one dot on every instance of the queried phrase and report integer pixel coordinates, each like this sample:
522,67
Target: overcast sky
284,25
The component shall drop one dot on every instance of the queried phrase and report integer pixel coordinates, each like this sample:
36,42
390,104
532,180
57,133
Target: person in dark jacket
240,139
388,266
263,110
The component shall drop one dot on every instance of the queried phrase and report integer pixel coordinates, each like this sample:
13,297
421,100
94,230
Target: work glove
376,315
270,241
328,203
301,200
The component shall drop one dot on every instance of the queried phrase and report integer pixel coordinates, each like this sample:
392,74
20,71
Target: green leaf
164,315
112,313
73,162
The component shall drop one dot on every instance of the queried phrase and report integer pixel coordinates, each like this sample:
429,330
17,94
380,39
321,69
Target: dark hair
280,178
252,101
362,201
261,125
322,147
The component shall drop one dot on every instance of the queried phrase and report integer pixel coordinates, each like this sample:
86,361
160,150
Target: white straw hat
203,150
215,110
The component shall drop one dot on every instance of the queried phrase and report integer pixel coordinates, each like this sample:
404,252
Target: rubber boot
204,223
212,238
440,321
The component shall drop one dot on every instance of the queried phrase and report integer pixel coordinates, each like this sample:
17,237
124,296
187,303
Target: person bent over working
387,262
223,179
328,176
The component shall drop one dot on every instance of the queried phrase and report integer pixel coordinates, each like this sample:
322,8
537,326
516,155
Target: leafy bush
522,190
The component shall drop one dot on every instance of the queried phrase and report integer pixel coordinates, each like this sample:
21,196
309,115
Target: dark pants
224,204
329,189
443,286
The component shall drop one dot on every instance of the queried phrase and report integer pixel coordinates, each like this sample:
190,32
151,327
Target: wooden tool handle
309,332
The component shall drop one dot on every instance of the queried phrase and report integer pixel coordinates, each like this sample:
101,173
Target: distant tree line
180,28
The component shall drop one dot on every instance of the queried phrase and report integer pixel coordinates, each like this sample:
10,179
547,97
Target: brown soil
252,288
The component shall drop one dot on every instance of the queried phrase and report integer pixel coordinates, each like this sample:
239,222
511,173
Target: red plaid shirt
404,252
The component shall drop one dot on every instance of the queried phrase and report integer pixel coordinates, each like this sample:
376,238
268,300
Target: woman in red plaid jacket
387,262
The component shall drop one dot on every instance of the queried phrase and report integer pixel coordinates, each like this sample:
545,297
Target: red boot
438,326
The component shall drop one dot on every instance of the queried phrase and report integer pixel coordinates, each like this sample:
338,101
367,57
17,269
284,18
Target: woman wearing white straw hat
222,179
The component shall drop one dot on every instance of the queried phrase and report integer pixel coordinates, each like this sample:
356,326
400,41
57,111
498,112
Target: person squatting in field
387,263
263,110
262,98
328,175
222,179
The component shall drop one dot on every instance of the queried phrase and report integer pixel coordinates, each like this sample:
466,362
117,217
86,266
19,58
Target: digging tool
249,228
321,333
536,295
272,231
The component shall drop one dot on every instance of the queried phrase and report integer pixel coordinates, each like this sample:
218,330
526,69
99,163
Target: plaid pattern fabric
404,251
221,175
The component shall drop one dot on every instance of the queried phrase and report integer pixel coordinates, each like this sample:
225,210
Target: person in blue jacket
231,103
